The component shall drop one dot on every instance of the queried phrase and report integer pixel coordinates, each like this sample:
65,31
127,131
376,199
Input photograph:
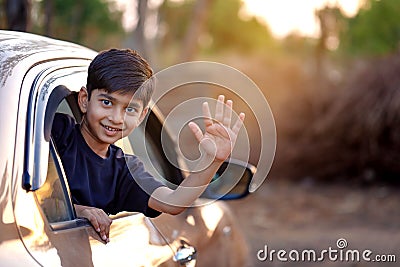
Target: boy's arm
216,144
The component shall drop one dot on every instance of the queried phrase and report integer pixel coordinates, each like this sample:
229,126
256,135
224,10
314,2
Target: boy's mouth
108,128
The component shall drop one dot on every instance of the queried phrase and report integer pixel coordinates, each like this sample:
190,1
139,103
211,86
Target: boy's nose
117,116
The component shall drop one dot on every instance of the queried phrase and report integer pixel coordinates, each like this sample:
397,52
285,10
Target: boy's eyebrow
107,96
135,105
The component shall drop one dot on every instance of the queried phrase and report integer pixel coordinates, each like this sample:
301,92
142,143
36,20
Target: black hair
121,70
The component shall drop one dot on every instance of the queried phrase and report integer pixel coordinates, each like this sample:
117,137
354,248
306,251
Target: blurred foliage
229,30
375,30
225,29
94,23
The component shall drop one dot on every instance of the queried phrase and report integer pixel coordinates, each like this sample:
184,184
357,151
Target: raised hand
219,137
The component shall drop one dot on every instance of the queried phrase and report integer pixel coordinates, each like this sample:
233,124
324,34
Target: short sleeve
137,187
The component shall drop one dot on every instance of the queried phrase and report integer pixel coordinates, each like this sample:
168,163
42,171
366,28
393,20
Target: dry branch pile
352,131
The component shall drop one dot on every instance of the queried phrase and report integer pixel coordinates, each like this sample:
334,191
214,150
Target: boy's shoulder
63,119
120,155
117,152
62,127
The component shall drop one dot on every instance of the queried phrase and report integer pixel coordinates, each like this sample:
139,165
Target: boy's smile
111,129
108,117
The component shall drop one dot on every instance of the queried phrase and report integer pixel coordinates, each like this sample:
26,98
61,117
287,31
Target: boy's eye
130,109
106,102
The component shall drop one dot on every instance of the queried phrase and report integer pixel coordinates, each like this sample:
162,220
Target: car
39,227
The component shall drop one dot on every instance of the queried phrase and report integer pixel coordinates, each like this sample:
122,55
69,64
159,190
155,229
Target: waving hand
219,137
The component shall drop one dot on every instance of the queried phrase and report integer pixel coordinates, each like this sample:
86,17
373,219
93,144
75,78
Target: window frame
38,143
63,185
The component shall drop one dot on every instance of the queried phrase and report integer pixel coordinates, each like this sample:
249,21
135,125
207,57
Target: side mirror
185,254
232,181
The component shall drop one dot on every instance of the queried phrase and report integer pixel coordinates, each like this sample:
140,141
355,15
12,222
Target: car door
42,205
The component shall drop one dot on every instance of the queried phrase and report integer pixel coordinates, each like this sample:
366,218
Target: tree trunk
48,18
18,14
138,34
195,29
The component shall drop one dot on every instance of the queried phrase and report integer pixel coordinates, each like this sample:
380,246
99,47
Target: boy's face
109,116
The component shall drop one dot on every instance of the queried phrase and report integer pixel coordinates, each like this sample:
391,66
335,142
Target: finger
219,109
207,115
228,113
196,131
103,235
94,222
238,124
108,225
104,222
107,232
102,231
223,131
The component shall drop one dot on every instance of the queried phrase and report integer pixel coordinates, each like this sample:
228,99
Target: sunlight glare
282,17
286,16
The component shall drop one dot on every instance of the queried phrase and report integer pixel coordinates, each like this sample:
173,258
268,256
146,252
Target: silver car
39,227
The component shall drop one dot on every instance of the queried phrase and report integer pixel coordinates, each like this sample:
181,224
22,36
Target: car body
39,227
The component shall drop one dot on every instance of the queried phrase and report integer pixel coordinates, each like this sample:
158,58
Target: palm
219,137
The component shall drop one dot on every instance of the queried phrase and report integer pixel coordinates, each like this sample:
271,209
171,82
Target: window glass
52,197
149,154
150,144
64,108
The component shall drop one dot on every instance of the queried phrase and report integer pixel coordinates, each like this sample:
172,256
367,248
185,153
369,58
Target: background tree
17,14
201,11
375,30
330,21
139,38
229,30
210,26
95,23
48,16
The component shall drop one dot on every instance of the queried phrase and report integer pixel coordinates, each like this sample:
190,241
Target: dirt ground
308,216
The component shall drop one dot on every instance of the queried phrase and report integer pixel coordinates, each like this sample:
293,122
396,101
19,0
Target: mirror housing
232,181
185,254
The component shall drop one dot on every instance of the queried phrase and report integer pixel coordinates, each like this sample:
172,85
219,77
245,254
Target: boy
102,179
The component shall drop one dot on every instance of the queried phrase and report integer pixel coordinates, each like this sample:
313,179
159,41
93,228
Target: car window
64,108
149,154
52,195
147,144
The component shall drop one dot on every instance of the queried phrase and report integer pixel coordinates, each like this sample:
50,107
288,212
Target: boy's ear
83,99
143,115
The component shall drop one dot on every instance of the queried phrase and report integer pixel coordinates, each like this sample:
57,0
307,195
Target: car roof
20,51
28,43
19,54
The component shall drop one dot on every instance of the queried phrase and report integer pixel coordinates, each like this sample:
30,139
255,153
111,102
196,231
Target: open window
53,194
150,144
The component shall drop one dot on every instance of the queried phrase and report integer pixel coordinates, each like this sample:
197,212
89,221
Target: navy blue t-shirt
105,183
